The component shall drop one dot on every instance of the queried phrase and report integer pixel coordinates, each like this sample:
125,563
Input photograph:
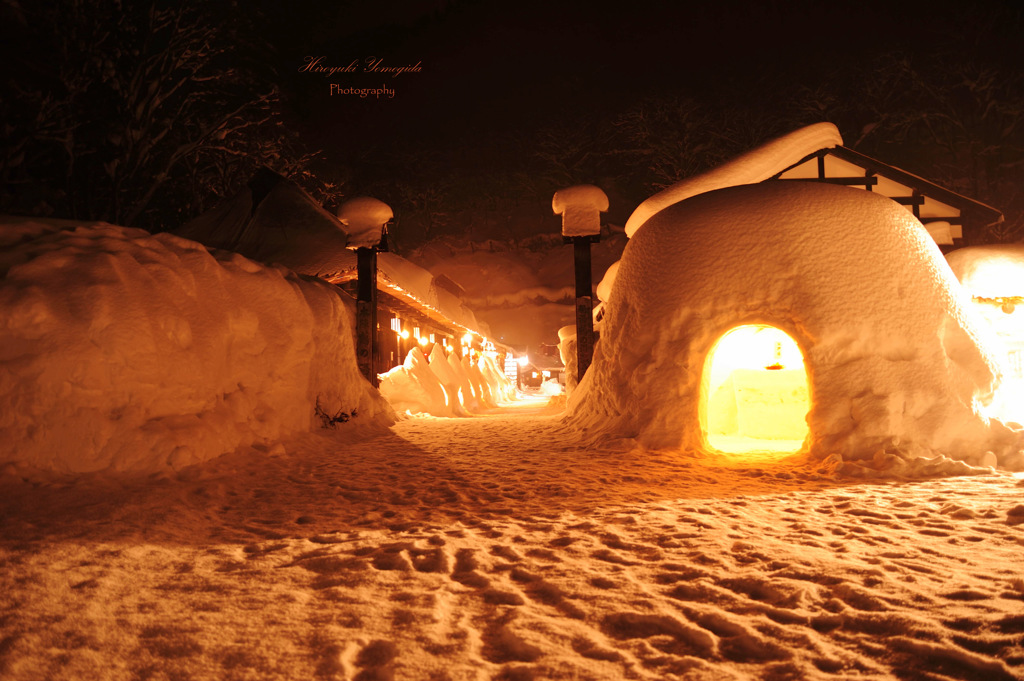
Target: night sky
506,102
493,70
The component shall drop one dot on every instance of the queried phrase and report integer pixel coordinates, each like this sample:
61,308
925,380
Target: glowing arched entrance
756,396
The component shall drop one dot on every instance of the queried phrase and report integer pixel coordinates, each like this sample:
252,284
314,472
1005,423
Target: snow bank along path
129,351
493,547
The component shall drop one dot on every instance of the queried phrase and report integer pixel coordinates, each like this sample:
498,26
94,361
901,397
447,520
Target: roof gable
945,213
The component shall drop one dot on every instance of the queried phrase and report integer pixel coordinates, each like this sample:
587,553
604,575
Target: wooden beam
866,182
584,304
366,313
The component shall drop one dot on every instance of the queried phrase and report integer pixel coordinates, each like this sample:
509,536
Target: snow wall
124,350
891,349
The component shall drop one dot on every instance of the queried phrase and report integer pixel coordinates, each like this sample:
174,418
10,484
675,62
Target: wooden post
581,207
365,222
584,304
366,313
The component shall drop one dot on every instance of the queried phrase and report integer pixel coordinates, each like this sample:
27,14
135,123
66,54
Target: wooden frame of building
398,311
952,219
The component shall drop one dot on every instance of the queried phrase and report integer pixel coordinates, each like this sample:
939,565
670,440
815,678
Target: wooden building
273,220
952,219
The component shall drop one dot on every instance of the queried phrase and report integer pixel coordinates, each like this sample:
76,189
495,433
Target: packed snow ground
494,547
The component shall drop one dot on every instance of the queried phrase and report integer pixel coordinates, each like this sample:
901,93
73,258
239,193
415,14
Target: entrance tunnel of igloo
894,358
754,392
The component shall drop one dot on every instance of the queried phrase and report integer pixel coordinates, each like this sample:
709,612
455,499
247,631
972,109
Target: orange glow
756,396
404,334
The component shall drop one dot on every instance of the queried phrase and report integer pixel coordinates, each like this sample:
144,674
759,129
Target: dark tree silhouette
139,113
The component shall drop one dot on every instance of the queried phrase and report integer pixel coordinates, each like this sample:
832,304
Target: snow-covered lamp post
366,220
581,207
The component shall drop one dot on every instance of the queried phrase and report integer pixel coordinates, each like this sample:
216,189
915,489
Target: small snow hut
885,351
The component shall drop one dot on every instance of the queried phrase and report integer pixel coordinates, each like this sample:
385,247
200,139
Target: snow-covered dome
891,349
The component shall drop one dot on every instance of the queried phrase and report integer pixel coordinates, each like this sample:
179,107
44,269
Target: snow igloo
862,318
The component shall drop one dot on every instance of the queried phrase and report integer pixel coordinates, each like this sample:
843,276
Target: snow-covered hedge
130,351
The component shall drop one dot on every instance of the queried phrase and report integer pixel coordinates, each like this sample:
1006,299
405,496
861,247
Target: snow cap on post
364,219
580,207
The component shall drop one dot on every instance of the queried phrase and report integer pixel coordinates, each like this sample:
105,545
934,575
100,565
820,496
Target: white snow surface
751,167
500,547
896,367
990,271
580,207
364,218
124,350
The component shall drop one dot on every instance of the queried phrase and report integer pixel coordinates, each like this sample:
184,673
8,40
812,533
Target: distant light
424,340
467,339
405,333
546,374
523,361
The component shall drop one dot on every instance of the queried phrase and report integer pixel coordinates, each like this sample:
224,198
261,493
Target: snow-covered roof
753,166
274,221
945,213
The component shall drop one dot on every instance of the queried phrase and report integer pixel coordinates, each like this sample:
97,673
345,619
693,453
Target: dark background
513,102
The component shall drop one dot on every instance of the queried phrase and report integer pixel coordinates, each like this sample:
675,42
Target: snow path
494,547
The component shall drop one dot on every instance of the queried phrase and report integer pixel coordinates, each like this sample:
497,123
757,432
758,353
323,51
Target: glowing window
755,395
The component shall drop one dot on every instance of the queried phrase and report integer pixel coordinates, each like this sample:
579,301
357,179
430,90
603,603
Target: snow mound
445,385
754,166
891,347
127,351
580,207
415,388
